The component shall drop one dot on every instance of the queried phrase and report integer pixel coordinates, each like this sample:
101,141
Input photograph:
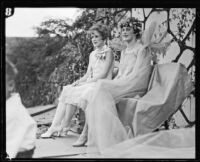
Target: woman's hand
78,83
75,83
89,81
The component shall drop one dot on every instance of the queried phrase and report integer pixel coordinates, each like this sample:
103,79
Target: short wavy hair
133,23
101,28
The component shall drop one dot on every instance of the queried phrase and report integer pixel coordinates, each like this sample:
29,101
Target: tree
64,47
183,18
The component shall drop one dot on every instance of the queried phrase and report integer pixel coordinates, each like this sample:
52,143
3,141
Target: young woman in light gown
104,127
100,66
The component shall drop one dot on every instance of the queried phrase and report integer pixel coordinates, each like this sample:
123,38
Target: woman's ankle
83,134
54,127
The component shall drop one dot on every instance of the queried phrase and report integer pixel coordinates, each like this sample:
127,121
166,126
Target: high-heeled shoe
52,131
87,144
64,131
81,141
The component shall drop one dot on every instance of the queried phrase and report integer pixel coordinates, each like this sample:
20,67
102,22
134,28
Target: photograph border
90,4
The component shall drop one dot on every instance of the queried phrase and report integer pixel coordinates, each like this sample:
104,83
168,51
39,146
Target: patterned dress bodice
98,62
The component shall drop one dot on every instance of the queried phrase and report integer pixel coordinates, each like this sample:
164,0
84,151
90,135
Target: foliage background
59,55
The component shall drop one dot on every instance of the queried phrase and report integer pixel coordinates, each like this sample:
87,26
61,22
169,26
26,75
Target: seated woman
104,127
72,96
132,40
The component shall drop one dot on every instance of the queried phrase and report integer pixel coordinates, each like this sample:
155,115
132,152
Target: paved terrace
59,147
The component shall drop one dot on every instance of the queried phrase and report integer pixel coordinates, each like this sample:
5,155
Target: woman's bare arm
84,78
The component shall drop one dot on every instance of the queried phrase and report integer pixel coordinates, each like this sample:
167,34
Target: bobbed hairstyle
134,23
101,29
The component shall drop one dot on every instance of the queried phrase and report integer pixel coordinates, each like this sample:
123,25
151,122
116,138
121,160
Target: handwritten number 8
8,12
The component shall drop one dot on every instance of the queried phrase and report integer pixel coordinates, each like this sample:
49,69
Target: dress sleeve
120,64
155,46
148,33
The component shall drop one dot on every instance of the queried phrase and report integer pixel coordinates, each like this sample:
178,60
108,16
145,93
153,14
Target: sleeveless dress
104,126
78,95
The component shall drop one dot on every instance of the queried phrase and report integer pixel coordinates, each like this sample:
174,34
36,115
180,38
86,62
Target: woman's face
97,40
127,34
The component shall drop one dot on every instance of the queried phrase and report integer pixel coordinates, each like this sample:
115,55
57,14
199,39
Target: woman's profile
104,127
76,95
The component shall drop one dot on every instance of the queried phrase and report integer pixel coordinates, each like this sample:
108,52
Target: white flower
103,56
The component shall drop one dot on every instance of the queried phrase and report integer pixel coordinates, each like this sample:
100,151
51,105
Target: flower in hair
131,22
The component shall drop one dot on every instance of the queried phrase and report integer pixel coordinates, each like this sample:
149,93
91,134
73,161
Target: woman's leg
55,126
84,134
62,108
83,137
64,114
69,113
59,115
85,129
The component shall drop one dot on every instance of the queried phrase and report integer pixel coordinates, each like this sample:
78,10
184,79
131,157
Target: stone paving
62,147
58,147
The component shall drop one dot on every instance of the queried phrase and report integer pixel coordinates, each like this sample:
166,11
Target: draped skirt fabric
104,127
176,143
147,98
170,84
77,95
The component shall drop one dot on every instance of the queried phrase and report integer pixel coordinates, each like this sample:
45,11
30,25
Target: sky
24,19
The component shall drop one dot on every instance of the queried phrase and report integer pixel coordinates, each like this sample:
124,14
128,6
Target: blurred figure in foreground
20,127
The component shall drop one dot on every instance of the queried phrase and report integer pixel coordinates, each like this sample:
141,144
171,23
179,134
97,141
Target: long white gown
166,144
105,128
78,95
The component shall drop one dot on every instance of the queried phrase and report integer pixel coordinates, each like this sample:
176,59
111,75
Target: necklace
132,49
129,49
100,49
100,53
